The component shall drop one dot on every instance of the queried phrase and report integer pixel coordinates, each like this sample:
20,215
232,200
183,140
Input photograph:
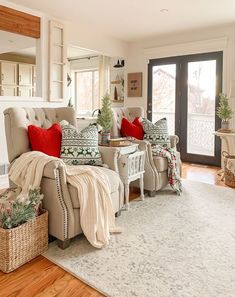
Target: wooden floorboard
202,173
42,278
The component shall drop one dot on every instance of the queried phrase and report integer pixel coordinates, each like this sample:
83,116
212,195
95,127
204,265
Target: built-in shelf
58,63
116,82
118,101
58,81
57,44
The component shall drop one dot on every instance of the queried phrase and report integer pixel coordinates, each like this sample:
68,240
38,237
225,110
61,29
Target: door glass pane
57,72
163,102
57,53
57,90
201,107
57,35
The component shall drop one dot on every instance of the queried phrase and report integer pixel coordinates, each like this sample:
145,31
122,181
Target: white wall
207,39
77,35
89,38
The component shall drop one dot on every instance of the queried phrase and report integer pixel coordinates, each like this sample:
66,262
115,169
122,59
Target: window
86,91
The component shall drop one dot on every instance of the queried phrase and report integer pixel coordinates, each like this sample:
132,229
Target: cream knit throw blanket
97,216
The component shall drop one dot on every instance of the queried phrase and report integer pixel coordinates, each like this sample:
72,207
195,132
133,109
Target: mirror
90,76
83,71
17,65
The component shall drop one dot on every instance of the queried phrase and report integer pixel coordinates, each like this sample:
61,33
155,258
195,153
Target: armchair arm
110,156
49,169
174,139
145,145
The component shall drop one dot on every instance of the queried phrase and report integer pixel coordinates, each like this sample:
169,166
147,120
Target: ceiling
29,52
11,42
131,20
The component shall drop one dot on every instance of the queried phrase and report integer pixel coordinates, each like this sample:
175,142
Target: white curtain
104,76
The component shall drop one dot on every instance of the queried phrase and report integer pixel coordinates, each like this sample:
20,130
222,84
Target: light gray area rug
170,247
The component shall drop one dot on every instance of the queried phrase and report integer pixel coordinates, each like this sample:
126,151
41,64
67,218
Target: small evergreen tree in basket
224,111
105,118
16,212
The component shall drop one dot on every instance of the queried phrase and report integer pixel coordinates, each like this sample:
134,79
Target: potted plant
105,119
224,111
23,228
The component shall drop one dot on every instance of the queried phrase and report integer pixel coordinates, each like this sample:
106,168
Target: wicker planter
21,244
229,177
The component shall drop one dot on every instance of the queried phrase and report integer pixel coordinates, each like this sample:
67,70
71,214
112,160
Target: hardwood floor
202,173
42,278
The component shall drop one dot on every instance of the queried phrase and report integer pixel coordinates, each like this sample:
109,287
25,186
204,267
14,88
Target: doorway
185,90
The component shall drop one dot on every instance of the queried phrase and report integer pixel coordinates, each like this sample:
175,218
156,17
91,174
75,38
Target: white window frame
87,113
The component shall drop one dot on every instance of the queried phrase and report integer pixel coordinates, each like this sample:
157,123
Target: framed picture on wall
134,84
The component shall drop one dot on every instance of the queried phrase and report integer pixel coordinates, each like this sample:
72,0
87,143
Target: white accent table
130,163
228,144
131,168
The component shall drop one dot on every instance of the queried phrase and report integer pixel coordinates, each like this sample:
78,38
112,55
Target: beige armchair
60,198
155,177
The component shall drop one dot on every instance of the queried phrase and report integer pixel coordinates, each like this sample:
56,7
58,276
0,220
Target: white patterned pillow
156,133
80,148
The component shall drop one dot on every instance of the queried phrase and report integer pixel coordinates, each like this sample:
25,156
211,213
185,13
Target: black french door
185,90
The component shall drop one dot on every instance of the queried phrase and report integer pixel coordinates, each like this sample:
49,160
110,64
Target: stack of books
122,141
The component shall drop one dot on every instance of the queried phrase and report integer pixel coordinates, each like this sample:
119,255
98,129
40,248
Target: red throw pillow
47,141
134,129
138,123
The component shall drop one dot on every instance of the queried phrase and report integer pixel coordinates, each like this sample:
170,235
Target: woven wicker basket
21,244
229,177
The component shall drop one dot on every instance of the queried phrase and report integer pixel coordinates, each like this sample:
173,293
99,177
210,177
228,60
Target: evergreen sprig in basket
20,244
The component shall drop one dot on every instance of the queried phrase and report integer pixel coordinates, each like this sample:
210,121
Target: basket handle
225,154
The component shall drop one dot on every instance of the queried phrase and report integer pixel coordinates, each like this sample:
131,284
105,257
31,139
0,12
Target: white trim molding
213,45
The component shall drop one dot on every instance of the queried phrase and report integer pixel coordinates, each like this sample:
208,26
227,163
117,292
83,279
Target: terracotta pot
105,138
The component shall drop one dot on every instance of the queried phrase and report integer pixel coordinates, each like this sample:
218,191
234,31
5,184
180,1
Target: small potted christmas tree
105,119
224,111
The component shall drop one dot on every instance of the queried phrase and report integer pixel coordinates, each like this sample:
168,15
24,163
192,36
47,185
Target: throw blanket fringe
173,174
97,216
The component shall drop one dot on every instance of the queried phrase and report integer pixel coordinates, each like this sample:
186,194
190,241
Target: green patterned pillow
80,148
156,133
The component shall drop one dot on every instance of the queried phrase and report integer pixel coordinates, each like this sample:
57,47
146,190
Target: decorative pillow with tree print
156,133
80,148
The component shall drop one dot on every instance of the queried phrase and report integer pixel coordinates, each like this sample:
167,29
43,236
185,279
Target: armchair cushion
133,129
113,180
156,133
80,148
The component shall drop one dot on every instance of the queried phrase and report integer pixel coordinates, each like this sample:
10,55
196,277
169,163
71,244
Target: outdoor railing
200,139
